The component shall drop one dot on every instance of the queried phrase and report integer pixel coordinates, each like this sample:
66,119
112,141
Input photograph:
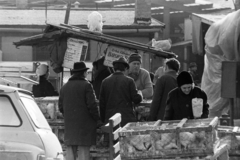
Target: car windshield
34,111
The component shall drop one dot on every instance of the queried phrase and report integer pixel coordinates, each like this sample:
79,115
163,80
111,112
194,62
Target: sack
197,107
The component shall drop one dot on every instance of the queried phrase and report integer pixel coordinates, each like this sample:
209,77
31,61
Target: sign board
76,51
114,53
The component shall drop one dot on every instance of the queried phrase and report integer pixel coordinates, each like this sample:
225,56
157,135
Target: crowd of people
87,105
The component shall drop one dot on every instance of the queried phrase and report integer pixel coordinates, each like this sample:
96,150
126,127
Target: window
34,112
8,115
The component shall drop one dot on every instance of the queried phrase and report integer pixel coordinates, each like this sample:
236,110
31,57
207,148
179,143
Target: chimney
142,12
22,4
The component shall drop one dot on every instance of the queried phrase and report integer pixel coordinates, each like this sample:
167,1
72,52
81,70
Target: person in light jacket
179,101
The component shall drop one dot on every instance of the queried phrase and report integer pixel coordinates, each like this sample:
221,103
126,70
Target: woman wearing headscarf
44,88
186,101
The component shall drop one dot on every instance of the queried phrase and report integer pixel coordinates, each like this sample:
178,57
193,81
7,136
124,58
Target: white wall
11,53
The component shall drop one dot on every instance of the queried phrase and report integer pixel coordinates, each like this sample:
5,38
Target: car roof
4,88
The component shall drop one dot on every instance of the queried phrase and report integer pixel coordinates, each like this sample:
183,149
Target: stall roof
213,17
55,31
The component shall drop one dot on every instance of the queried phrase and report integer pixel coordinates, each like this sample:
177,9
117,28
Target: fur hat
135,57
184,78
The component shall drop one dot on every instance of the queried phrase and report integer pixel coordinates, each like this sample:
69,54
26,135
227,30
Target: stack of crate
170,139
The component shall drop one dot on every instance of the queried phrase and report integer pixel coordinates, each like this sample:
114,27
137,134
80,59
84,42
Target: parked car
24,132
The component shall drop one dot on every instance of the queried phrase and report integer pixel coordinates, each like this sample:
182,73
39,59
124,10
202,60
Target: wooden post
67,12
166,20
232,111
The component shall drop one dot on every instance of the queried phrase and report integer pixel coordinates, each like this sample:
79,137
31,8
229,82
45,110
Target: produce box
168,139
230,136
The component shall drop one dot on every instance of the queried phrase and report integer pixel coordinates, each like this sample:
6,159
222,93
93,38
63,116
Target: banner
114,53
76,51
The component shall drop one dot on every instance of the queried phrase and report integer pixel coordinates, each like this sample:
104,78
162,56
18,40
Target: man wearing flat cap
141,76
78,104
118,93
187,100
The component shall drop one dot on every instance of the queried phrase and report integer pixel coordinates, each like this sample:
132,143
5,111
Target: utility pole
67,12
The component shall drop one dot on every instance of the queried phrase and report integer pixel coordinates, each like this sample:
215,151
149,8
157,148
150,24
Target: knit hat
184,78
135,57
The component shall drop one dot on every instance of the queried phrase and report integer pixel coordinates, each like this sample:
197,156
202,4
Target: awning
53,32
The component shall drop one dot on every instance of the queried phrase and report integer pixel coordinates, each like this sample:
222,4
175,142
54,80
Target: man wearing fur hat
118,93
141,76
187,100
78,104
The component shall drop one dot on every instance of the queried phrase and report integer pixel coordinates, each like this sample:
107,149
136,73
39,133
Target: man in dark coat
118,93
44,88
180,99
163,86
100,72
78,104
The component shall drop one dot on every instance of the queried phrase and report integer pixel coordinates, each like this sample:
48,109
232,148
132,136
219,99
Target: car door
18,140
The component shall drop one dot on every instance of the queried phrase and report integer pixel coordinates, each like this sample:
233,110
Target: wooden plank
157,122
106,128
118,158
214,122
182,122
115,133
116,119
116,148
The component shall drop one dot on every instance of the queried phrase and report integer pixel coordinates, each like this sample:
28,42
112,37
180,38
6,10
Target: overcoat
78,103
164,85
179,105
117,95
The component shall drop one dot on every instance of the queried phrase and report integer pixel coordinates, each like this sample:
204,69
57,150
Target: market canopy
53,32
56,38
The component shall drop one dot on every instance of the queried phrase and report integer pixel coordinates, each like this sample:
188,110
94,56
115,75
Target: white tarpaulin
222,44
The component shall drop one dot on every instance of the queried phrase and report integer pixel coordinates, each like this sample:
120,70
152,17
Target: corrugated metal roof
38,17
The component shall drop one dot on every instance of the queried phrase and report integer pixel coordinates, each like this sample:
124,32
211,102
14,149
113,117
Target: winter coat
179,105
117,95
164,85
100,73
78,103
44,88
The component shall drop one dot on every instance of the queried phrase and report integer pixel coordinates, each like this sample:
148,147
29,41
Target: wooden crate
168,139
49,107
230,136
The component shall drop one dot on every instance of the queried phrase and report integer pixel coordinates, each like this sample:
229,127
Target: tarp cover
222,44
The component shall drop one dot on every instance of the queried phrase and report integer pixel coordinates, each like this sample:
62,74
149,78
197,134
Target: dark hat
184,78
123,61
192,64
79,66
135,57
